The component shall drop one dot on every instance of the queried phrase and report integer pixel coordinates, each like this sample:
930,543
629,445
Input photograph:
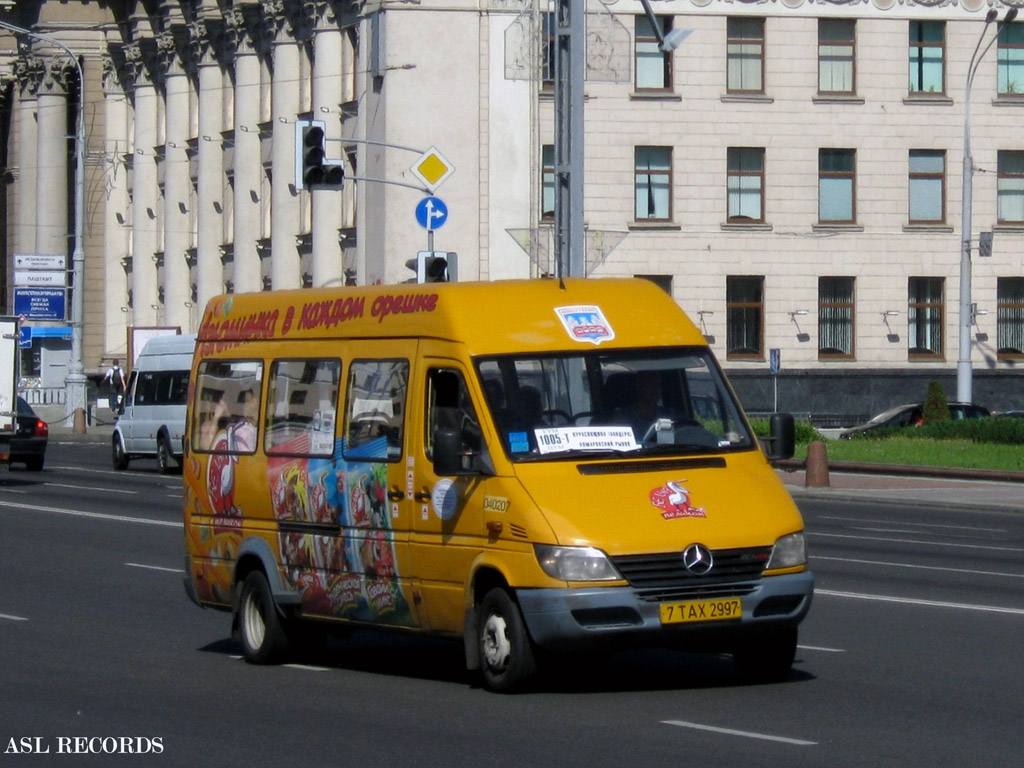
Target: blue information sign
431,213
41,303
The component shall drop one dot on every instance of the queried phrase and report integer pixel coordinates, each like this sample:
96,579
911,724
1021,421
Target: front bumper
596,617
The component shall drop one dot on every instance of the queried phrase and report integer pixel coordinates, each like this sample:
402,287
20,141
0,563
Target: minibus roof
496,317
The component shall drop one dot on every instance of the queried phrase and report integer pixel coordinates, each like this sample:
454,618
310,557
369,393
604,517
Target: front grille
659,577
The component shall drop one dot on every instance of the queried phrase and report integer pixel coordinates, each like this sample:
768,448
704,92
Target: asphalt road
910,656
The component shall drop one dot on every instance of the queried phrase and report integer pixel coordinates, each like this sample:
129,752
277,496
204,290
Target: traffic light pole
75,383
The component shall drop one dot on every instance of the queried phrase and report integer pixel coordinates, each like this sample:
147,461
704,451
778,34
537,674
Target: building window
1010,186
547,183
653,172
927,56
548,52
653,66
927,186
1010,316
1010,59
746,184
745,55
835,317
925,316
836,71
744,307
837,186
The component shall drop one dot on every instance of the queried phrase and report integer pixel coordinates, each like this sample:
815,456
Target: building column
145,191
52,234
115,216
210,154
29,75
328,60
177,218
285,268
248,166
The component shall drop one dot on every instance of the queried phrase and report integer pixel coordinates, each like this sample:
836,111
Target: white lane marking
820,649
915,525
12,618
304,667
91,488
926,603
968,571
913,541
744,734
93,515
154,567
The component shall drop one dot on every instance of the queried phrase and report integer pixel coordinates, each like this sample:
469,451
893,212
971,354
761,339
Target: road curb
948,473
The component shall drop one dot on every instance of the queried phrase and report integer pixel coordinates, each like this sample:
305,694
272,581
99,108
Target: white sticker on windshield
563,439
585,323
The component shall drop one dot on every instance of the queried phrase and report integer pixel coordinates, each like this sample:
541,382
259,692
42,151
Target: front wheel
767,658
506,654
120,457
260,629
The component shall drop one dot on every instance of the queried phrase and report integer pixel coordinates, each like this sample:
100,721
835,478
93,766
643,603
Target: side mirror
447,453
782,442
451,458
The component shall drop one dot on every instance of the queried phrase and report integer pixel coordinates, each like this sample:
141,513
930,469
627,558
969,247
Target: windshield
634,402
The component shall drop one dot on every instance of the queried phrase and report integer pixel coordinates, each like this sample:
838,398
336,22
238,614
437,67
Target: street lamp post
964,374
75,382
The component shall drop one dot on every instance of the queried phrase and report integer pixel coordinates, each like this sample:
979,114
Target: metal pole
75,382
964,372
570,63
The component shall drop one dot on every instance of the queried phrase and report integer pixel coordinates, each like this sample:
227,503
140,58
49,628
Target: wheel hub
496,647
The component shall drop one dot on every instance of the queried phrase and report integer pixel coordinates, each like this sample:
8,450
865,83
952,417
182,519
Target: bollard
79,424
816,468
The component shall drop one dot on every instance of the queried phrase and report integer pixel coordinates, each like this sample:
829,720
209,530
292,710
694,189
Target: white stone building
792,173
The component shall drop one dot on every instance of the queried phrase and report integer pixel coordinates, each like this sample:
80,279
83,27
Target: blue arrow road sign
431,213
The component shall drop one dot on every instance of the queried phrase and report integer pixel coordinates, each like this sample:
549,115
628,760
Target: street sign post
431,213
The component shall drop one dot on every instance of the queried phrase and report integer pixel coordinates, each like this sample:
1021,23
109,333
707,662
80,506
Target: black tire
164,457
767,658
507,660
259,626
120,457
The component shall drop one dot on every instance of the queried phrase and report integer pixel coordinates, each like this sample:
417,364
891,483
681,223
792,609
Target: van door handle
422,496
396,495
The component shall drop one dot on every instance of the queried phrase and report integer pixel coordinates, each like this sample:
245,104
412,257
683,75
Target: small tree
936,406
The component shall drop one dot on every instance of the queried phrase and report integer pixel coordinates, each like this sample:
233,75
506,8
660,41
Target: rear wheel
767,658
120,457
164,457
506,654
259,625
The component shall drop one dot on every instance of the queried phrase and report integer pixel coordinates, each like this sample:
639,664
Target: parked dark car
28,446
1009,414
911,415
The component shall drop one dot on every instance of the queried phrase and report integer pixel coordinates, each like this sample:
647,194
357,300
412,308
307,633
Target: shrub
936,406
805,431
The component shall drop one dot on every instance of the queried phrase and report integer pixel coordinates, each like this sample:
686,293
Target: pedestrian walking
115,381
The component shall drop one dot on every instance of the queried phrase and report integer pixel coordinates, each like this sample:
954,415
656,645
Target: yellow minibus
531,466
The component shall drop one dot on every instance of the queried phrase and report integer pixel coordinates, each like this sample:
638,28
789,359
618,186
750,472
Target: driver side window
450,407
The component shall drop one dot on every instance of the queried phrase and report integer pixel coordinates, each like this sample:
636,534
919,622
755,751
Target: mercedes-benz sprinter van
545,464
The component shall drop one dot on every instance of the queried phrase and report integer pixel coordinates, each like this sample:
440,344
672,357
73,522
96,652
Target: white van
153,422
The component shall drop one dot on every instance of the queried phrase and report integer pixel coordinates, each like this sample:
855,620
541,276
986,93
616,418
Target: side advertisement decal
353,575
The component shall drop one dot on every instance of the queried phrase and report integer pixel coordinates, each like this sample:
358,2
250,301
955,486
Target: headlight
576,563
789,552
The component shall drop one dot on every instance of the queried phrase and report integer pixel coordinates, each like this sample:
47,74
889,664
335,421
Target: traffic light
312,168
435,267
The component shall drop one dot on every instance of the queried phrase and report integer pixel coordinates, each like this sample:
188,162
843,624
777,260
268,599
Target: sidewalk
958,489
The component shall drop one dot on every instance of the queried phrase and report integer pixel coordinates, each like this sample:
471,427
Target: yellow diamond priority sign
432,169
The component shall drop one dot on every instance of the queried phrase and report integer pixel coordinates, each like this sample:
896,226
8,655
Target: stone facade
191,190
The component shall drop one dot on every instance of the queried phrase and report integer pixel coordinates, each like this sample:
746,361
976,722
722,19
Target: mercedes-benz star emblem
697,559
